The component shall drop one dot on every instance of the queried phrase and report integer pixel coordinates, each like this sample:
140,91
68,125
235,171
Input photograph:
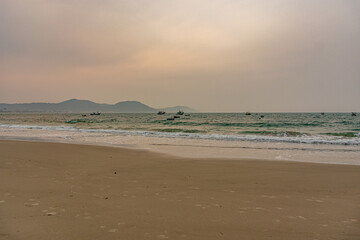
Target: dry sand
65,191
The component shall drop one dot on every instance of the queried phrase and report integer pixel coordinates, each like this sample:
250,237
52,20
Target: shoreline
138,148
97,192
326,154
195,136
123,147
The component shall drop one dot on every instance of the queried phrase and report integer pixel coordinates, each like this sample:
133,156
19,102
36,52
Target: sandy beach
69,191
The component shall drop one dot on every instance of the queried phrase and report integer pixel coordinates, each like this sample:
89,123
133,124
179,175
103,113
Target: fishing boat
161,113
180,112
95,113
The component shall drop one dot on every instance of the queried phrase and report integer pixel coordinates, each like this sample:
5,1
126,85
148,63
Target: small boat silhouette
95,113
180,112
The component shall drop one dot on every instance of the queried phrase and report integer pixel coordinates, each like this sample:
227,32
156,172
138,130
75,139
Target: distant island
76,105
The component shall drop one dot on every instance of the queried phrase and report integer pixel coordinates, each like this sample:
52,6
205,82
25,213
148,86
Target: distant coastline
76,105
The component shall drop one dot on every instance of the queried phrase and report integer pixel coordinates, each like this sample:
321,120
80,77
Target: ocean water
312,128
283,132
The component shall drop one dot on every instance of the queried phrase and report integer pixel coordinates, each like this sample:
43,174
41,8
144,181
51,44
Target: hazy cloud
250,55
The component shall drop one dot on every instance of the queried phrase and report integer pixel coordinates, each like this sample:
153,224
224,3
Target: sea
308,137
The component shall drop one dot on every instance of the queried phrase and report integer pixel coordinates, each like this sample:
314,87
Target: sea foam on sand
189,147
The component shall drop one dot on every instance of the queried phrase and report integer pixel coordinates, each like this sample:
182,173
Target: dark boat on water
180,112
95,113
161,113
353,114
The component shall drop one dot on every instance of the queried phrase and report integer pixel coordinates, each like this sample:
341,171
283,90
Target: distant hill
75,105
177,108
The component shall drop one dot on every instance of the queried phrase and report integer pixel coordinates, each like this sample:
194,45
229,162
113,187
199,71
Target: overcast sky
212,55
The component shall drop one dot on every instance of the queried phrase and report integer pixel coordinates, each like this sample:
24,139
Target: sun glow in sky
212,55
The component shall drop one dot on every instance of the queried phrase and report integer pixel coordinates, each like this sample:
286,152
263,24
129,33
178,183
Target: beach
70,191
172,120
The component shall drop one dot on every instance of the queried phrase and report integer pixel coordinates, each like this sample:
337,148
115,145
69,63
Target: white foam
315,139
191,144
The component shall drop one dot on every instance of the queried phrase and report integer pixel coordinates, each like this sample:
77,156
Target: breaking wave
254,136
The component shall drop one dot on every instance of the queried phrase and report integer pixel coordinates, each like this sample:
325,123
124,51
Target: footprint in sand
229,190
259,208
314,200
162,236
268,196
350,220
31,204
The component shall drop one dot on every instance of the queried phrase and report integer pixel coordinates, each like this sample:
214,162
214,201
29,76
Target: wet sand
68,191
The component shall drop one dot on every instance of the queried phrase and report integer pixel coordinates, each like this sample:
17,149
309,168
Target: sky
212,55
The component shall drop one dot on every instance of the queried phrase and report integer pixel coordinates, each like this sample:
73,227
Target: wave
303,139
344,134
178,130
277,133
241,124
89,120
